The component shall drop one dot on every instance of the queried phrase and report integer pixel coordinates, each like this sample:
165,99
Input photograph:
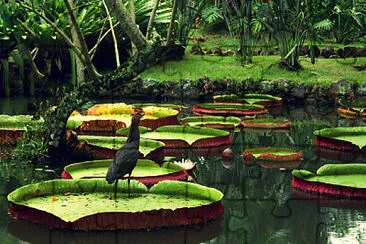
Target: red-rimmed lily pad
181,136
217,122
266,124
340,180
260,99
86,204
271,157
12,127
146,171
353,109
228,109
342,138
107,146
105,119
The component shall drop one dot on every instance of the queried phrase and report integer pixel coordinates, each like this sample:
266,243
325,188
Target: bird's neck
134,134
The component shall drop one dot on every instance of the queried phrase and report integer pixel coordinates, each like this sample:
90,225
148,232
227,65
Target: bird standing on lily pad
126,157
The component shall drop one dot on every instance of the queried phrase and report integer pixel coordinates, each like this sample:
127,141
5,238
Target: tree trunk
151,20
81,41
169,38
5,86
133,18
78,64
124,18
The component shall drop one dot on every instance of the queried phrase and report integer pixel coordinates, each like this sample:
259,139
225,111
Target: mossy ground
193,67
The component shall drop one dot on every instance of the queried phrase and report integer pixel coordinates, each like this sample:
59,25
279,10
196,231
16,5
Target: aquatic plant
57,204
339,180
251,98
353,109
217,122
146,171
272,157
342,138
228,109
107,146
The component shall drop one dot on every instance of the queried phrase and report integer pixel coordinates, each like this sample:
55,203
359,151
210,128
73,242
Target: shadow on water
33,233
260,204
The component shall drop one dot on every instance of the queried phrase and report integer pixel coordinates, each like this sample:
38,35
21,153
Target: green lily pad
114,143
256,152
357,104
99,168
354,135
86,204
350,175
163,105
189,134
105,116
263,99
17,121
228,109
212,121
266,123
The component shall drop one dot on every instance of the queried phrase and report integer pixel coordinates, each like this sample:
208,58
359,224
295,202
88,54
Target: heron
126,157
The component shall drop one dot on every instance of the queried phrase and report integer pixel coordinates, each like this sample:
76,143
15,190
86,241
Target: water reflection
33,233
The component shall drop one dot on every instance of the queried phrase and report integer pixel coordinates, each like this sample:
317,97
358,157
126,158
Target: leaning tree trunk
125,20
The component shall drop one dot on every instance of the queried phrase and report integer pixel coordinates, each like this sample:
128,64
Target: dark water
260,205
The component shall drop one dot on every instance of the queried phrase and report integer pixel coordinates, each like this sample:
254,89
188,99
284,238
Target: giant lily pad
217,122
146,171
341,180
177,107
353,109
105,119
228,109
272,125
342,138
86,204
260,99
272,157
107,146
13,127
182,136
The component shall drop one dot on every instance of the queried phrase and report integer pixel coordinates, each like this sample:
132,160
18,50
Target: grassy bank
193,67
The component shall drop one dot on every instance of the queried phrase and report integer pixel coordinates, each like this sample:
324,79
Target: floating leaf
172,202
187,135
342,138
344,180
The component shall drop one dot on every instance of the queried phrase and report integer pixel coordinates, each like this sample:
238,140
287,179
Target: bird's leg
115,189
129,190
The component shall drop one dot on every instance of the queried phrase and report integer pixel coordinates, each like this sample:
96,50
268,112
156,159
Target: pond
260,204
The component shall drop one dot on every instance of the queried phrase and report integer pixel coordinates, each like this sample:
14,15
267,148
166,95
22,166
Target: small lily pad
272,157
263,124
218,122
260,99
229,109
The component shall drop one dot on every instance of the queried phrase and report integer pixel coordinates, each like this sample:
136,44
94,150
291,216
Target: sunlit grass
324,71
